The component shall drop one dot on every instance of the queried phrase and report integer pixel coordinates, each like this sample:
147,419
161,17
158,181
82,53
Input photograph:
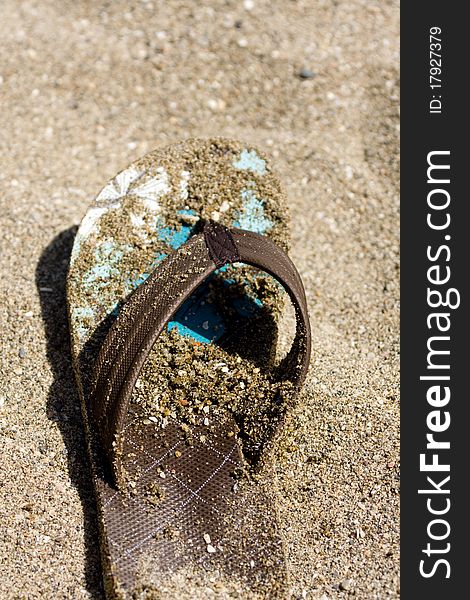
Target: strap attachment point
220,244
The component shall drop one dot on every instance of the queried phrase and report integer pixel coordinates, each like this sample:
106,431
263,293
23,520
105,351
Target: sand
87,88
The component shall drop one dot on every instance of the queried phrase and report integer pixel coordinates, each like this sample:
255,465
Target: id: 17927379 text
435,69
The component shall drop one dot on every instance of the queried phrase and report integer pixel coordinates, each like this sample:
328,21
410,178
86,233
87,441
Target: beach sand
88,87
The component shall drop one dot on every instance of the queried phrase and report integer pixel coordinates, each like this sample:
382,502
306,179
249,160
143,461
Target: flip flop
176,284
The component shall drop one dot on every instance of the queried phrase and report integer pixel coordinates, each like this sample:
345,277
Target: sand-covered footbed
87,88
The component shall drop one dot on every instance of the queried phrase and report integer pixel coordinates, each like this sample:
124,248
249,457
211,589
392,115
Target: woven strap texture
154,303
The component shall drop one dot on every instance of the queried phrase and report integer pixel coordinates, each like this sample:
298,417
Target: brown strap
154,303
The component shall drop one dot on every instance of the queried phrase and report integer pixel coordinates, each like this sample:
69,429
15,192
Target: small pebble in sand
211,549
206,421
207,538
345,585
178,453
212,104
360,533
305,73
190,218
22,353
162,474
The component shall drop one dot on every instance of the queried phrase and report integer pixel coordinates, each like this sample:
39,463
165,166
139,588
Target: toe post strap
220,244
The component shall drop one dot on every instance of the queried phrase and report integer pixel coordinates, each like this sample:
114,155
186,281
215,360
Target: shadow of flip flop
63,403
